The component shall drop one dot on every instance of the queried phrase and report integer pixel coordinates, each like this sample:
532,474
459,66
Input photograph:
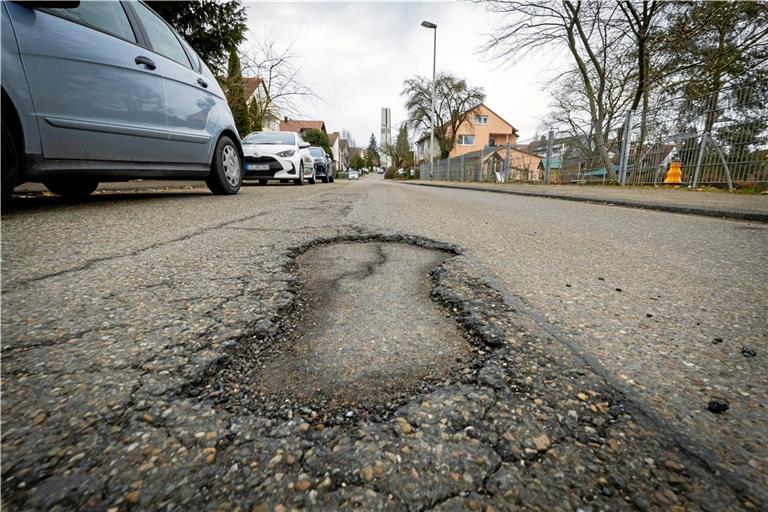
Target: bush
341,175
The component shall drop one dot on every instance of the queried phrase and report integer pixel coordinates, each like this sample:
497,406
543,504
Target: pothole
367,329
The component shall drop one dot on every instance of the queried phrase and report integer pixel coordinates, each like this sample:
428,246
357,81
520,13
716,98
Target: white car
353,174
277,156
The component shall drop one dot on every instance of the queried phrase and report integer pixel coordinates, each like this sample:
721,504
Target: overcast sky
355,56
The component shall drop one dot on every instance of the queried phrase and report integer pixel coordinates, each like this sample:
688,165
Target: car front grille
274,166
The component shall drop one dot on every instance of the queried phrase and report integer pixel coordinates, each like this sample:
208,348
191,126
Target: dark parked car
323,164
108,91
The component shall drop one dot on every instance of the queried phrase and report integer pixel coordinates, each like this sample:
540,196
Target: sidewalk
711,204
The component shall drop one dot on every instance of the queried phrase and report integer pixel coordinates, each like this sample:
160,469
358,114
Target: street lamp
428,24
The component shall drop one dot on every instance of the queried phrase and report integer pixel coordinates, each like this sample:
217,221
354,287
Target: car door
189,96
95,97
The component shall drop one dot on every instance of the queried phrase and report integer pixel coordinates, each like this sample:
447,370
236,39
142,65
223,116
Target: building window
466,140
481,119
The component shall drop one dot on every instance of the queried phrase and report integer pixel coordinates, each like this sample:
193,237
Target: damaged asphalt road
158,364
366,330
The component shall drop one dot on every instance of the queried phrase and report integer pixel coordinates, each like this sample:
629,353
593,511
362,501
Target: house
482,128
297,125
334,141
356,151
255,90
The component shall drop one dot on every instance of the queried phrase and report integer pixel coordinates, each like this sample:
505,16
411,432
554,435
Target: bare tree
585,28
282,89
454,101
347,135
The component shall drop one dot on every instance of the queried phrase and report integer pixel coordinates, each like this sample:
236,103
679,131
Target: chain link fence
718,139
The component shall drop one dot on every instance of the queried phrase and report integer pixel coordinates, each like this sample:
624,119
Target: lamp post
428,24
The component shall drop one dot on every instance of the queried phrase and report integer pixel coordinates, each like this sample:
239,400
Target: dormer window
481,119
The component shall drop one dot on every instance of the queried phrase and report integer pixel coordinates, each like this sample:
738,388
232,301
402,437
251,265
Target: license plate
258,167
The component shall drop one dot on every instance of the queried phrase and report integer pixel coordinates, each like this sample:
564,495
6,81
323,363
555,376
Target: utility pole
428,24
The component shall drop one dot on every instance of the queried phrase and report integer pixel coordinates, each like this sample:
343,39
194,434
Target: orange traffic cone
674,174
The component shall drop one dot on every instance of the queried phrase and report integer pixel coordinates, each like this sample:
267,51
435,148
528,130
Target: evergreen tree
317,138
256,115
236,94
371,153
402,146
211,27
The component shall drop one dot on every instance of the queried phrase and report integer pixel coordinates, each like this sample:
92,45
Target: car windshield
284,138
316,151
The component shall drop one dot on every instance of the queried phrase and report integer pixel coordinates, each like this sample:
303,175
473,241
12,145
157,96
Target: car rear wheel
72,188
330,178
226,169
11,161
313,179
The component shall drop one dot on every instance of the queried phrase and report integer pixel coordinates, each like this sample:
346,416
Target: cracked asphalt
137,329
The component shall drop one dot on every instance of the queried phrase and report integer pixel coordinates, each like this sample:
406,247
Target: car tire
263,182
330,178
226,175
300,180
11,161
313,179
72,188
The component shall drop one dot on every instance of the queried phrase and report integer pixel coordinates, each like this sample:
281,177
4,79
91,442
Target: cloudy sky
355,56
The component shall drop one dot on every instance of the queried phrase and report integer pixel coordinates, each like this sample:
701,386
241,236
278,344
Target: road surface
595,338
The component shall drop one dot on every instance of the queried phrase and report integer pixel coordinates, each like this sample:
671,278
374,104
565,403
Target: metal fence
718,139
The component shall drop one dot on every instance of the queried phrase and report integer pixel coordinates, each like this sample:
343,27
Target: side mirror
304,145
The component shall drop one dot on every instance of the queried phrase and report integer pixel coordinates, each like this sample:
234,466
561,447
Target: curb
669,208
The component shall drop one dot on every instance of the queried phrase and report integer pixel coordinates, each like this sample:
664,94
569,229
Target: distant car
353,174
108,91
379,170
323,164
278,156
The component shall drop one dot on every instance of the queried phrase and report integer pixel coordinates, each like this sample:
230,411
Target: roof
250,84
332,138
514,130
297,125
501,152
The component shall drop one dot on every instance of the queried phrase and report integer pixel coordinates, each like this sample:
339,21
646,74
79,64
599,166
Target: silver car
108,91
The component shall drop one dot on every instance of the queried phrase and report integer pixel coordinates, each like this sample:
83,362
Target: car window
282,138
160,35
107,17
317,152
192,55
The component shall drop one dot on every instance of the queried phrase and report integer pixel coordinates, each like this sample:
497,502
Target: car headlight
286,153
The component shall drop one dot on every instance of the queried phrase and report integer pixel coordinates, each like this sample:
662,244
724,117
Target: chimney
285,119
